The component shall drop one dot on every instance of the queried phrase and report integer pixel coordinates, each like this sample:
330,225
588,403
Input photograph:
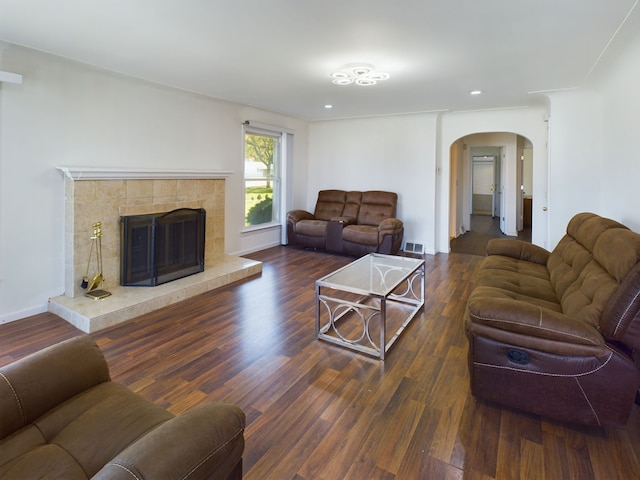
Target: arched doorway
491,188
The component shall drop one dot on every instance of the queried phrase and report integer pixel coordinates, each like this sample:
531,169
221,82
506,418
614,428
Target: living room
69,113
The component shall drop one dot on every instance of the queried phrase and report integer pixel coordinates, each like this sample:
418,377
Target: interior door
483,185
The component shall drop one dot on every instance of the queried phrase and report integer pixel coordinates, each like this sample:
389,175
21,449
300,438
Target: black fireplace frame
162,247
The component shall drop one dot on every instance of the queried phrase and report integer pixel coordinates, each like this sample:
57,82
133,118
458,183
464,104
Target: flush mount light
475,92
363,75
328,106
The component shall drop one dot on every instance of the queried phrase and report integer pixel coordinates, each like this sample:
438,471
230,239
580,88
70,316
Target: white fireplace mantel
107,173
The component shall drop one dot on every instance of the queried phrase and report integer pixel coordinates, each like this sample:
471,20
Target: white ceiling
278,54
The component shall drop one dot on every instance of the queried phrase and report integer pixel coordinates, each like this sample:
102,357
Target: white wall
575,158
528,122
593,159
620,165
66,113
394,153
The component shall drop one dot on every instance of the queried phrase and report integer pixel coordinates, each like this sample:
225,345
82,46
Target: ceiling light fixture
363,75
475,92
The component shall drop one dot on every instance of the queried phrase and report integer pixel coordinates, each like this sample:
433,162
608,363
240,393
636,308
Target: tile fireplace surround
103,195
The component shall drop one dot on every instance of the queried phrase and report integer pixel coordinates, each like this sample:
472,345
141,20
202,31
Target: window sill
262,227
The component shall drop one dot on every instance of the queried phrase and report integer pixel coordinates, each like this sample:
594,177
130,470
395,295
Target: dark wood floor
482,229
316,411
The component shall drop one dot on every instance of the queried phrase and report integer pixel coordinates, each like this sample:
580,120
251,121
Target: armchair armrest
518,249
204,442
529,325
294,216
390,226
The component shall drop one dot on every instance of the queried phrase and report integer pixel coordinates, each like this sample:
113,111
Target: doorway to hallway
483,229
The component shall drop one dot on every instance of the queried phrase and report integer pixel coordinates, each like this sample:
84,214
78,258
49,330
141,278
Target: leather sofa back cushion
80,369
330,204
352,204
376,206
589,263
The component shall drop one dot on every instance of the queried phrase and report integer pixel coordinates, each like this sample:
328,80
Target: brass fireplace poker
94,288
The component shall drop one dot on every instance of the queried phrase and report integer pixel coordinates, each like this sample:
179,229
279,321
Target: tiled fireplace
104,195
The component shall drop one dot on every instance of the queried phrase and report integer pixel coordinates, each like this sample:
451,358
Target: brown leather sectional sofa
554,333
354,223
61,417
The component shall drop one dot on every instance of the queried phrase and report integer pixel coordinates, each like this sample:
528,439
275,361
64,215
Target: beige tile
111,190
164,189
139,190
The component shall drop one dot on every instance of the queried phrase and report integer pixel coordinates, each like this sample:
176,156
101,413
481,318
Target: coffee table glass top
373,274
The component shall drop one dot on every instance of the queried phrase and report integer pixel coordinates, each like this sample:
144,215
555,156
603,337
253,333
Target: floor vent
411,247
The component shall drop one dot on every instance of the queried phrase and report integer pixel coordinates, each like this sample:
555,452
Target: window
262,163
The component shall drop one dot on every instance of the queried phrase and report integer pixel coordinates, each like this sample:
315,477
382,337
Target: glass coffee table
354,302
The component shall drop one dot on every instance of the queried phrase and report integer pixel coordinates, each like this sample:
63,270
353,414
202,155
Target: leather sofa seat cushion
48,461
312,228
524,280
362,234
110,412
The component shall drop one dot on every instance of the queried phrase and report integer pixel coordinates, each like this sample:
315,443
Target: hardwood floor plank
316,411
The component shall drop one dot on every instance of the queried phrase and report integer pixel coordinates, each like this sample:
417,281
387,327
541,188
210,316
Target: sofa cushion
330,204
519,279
352,205
589,263
362,234
109,412
21,400
43,462
376,206
312,228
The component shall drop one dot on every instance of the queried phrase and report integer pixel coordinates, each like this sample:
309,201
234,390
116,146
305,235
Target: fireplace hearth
107,194
159,248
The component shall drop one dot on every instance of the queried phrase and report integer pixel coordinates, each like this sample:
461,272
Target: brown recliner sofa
61,417
554,333
354,223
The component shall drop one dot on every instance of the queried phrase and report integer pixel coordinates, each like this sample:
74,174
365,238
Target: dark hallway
483,228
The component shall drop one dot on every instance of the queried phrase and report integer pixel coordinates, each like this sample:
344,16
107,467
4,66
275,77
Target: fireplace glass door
159,248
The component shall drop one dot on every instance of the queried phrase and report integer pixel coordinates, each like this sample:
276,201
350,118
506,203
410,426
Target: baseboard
28,312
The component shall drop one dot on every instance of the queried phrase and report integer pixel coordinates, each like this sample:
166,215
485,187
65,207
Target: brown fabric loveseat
355,223
554,333
61,417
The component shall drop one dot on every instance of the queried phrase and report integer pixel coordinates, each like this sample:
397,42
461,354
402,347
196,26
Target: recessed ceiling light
475,92
327,106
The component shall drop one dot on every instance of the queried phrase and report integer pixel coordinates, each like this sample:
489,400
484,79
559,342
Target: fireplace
158,248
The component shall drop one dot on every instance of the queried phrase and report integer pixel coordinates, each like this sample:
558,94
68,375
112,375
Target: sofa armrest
35,384
518,249
389,226
204,442
522,323
294,216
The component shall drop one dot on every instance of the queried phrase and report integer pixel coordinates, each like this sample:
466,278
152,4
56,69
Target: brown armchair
62,417
554,333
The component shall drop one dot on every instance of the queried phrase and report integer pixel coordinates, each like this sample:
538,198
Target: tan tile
164,189
139,191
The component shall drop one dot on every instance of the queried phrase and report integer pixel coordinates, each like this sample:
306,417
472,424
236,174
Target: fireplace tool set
94,287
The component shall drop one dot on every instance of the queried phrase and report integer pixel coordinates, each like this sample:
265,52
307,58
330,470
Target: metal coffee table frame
378,280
